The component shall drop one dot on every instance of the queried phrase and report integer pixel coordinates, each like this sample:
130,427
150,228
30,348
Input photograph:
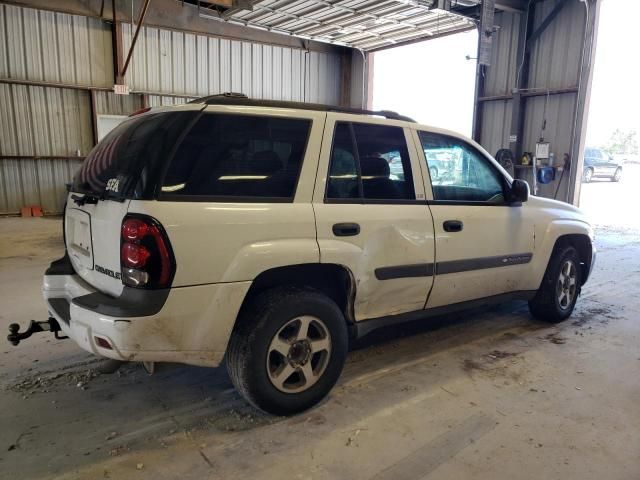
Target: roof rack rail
231,98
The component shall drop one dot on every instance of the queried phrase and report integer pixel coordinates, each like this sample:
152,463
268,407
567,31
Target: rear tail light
146,259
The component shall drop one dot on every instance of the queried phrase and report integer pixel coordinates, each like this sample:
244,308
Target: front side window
369,162
239,156
459,172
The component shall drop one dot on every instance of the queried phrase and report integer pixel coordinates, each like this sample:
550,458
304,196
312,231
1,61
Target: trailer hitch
51,325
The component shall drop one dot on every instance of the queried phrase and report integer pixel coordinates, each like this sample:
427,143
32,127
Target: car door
373,221
599,163
483,244
608,164
588,158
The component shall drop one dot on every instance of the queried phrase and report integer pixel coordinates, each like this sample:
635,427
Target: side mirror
519,192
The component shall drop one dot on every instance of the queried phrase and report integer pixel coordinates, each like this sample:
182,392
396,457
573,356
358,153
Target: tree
622,142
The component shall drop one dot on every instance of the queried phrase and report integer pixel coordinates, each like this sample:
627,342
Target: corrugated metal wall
167,61
54,47
76,51
44,122
108,103
164,101
555,63
500,77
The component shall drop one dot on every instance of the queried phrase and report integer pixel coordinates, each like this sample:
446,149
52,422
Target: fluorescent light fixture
173,188
242,177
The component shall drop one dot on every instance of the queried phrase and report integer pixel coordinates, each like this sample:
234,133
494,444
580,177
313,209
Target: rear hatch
125,165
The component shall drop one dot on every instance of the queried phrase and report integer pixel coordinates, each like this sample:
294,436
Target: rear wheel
433,172
288,349
587,175
558,293
616,176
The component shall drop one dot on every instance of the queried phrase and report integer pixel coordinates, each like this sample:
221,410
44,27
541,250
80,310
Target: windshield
130,154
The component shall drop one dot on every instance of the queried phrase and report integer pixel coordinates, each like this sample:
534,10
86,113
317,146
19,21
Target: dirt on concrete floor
486,394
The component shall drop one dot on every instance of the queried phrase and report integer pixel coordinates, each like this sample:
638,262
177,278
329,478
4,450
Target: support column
582,108
522,80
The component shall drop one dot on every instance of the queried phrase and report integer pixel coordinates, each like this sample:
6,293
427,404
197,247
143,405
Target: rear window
128,158
240,157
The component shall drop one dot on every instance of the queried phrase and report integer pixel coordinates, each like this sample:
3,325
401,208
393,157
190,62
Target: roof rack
232,98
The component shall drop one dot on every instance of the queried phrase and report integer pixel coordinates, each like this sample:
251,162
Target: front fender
545,241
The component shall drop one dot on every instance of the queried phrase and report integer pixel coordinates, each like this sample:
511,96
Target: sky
434,83
615,97
431,82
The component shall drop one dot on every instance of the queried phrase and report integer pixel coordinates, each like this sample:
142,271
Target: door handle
346,229
452,226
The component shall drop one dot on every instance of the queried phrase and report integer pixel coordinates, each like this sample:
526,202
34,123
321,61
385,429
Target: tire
617,175
433,173
269,325
587,175
549,304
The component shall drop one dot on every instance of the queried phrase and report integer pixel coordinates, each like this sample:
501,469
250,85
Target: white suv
270,234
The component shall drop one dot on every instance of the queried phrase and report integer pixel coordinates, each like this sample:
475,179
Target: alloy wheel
299,354
566,287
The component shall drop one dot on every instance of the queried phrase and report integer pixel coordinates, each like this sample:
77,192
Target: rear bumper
192,326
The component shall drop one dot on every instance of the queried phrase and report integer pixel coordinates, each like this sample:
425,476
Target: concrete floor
489,394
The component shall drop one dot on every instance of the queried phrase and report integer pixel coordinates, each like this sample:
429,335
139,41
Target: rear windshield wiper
85,198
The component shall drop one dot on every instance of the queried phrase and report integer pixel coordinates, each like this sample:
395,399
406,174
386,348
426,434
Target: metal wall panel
555,64
556,55
165,101
39,45
559,111
25,182
182,63
108,103
501,75
46,46
496,122
45,122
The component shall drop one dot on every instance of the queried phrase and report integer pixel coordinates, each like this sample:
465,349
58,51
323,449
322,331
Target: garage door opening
611,172
432,81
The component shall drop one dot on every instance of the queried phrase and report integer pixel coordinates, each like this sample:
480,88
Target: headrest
342,166
266,162
374,167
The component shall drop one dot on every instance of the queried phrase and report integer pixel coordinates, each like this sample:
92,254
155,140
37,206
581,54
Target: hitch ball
51,325
13,336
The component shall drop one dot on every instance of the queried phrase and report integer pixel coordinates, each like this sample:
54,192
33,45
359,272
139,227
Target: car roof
238,99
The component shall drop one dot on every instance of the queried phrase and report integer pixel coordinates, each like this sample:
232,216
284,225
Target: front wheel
288,349
616,176
556,298
587,175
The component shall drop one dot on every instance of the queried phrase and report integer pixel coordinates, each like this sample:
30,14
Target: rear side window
239,157
369,162
129,157
344,179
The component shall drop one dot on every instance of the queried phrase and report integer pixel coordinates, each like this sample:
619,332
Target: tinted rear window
128,157
239,157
